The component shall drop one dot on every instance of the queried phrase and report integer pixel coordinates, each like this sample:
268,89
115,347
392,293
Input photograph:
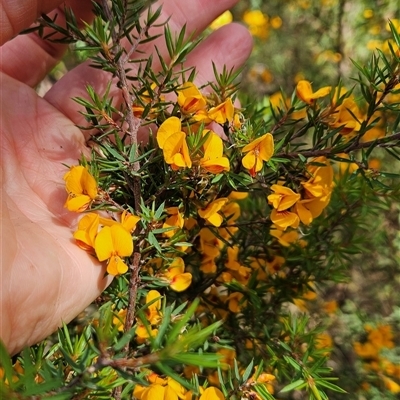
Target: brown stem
133,127
383,142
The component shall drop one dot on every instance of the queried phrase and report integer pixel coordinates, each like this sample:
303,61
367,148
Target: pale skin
45,278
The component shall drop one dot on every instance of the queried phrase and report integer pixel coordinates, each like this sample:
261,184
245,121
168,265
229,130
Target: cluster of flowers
191,148
378,341
169,389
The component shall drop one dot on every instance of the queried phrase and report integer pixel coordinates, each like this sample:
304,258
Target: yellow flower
87,231
179,280
228,356
160,389
81,188
381,337
119,319
223,112
190,98
213,160
210,245
234,302
258,23
324,341
145,99
172,141
287,238
232,262
212,393
366,350
318,190
284,219
238,195
142,333
282,198
112,243
223,19
153,314
346,116
259,150
305,93
210,213
129,221
174,220
391,385
330,306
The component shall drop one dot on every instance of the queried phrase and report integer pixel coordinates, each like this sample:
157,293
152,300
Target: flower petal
122,240
103,244
167,128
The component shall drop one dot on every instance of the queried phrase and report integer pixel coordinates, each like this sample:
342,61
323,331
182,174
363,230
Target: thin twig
382,142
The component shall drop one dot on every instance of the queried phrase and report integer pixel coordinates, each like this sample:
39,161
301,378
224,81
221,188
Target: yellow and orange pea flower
277,101
169,389
235,302
152,312
89,224
119,319
81,188
145,99
210,245
160,389
213,159
287,238
153,316
257,22
258,151
86,233
190,99
223,112
305,93
346,116
178,279
282,199
290,208
113,243
318,190
210,213
172,141
175,220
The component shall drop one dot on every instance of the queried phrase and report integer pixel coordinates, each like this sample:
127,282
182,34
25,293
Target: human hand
45,278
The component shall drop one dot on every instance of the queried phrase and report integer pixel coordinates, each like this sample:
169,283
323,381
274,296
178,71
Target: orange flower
190,98
179,280
284,219
174,220
81,188
283,197
223,112
172,141
259,150
213,160
113,243
305,93
87,231
212,393
210,213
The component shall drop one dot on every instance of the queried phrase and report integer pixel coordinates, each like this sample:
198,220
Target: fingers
19,15
28,58
229,46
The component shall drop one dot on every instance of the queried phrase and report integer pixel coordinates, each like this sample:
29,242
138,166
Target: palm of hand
36,141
